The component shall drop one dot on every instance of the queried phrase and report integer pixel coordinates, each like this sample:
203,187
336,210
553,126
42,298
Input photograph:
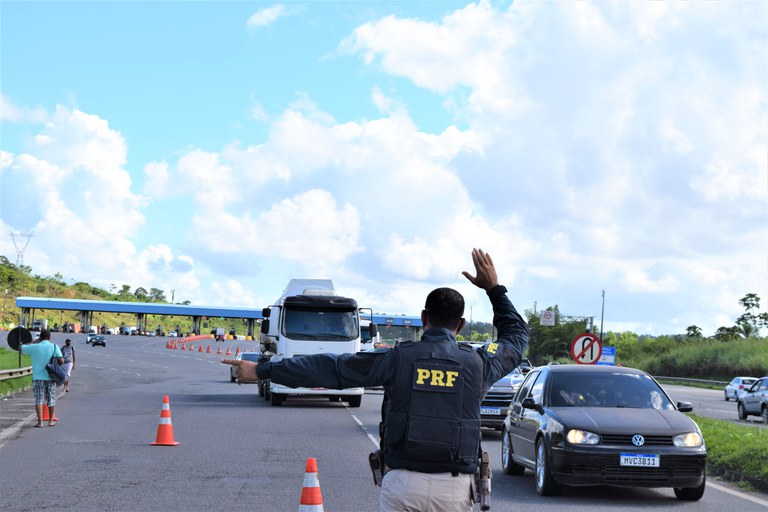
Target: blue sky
219,149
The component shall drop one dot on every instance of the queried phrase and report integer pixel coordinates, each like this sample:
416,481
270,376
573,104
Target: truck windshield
326,325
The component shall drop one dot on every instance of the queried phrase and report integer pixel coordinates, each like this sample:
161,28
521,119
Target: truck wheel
277,399
354,401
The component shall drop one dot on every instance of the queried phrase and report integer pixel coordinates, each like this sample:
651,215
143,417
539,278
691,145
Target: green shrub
739,448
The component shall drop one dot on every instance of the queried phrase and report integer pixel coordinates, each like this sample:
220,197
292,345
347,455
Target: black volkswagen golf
602,425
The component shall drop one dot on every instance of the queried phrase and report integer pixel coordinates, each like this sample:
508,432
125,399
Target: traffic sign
586,348
608,358
547,317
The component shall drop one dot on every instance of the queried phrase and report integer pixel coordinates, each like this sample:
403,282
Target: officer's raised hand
246,370
486,273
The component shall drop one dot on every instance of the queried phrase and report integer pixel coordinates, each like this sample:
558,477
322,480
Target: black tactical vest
432,422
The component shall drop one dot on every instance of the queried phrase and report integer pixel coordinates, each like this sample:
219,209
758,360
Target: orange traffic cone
47,414
183,347
208,350
218,353
237,351
229,352
200,348
165,427
311,498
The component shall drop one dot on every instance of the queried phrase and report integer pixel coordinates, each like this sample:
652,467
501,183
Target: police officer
431,420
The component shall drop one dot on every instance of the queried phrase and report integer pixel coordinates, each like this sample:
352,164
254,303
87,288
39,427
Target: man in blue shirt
41,352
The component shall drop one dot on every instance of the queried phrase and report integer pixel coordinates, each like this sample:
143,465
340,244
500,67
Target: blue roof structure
153,308
150,308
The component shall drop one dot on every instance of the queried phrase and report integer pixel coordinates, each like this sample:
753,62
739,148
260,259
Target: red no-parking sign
586,348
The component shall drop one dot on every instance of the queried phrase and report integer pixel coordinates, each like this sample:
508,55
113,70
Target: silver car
738,386
754,401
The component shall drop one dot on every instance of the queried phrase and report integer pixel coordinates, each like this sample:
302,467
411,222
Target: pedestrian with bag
41,352
68,352
430,431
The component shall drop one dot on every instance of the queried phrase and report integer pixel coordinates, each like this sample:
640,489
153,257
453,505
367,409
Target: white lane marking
360,424
728,490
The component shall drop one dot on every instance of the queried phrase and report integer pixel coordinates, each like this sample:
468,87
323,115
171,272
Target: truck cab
309,318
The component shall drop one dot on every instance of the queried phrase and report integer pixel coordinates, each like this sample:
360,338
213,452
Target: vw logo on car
638,440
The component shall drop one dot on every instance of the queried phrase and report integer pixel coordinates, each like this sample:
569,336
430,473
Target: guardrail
15,373
685,379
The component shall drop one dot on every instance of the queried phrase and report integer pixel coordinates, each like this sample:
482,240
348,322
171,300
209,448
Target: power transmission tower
20,251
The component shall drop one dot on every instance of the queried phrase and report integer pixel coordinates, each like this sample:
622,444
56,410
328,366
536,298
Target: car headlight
690,440
575,436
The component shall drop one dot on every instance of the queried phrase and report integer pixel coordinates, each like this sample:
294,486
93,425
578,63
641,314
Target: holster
379,469
483,482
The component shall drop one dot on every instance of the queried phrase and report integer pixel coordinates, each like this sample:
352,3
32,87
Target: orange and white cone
229,352
183,347
208,350
47,414
237,351
165,427
218,353
311,498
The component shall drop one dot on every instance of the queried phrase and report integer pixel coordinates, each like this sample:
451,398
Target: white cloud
596,145
12,113
266,16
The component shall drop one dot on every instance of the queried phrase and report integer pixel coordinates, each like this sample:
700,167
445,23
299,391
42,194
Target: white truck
309,318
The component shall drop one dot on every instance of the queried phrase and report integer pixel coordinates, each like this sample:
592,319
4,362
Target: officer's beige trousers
411,491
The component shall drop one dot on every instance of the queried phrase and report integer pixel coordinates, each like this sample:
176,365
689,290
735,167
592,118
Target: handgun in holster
483,481
376,461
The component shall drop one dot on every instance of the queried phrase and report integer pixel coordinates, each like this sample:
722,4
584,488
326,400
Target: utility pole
602,313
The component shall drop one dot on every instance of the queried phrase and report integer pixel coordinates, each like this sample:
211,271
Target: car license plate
639,459
490,411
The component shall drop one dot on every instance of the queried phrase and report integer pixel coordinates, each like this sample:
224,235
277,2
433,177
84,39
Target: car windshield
569,389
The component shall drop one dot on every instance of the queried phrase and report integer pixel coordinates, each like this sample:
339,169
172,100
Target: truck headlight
689,440
576,436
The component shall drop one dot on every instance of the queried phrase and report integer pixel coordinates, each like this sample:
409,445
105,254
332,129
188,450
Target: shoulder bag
55,370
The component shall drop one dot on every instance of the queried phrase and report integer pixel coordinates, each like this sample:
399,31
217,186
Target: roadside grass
739,452
9,359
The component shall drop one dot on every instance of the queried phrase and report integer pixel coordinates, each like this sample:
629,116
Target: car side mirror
265,326
530,403
684,406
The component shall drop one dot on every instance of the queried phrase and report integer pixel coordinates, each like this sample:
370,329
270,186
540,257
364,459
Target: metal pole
602,313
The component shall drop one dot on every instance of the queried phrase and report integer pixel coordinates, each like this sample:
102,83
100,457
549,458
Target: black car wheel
355,400
742,411
691,493
726,396
765,414
545,483
231,378
277,399
509,466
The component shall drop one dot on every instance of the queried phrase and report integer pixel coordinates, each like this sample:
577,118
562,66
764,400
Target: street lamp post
602,313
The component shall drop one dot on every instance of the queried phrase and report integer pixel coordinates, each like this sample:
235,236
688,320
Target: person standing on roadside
430,432
41,353
68,352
